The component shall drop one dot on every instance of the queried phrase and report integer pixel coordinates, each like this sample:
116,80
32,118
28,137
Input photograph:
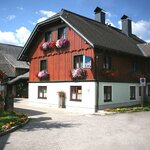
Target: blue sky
18,17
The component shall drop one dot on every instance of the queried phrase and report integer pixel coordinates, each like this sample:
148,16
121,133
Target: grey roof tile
8,59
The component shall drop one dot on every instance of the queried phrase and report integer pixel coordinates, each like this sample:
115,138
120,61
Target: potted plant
1,103
62,96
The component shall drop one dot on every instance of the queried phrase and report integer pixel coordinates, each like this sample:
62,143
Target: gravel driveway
53,129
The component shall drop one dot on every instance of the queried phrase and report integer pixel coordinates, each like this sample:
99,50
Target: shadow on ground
36,123
29,112
44,123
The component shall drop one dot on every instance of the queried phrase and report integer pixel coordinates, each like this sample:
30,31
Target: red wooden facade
60,61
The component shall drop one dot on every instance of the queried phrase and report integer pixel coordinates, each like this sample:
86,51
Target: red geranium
52,44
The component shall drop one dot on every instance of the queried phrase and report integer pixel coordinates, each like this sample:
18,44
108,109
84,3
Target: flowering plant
45,46
43,74
52,44
62,43
78,73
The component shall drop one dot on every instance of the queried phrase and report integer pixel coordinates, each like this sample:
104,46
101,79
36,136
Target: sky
19,17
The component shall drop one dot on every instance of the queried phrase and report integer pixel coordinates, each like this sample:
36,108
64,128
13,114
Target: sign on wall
142,81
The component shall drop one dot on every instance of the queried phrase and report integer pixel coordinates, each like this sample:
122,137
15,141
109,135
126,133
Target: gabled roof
8,59
98,35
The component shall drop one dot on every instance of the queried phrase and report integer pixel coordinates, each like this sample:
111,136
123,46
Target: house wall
120,95
88,95
60,61
122,67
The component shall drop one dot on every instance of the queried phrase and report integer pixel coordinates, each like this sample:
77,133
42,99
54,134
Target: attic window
61,33
48,36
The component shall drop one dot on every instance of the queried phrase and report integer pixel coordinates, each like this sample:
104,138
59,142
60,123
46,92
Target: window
140,91
132,93
107,93
81,61
48,36
42,92
43,64
135,66
107,62
78,61
61,33
148,89
76,93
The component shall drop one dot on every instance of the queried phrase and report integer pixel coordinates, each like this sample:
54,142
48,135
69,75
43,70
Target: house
10,68
96,65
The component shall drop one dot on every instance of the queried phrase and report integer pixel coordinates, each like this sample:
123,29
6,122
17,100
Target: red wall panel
60,61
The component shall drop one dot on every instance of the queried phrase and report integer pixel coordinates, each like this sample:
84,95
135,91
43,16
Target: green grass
11,118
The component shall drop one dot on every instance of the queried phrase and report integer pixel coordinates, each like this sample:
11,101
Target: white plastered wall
88,95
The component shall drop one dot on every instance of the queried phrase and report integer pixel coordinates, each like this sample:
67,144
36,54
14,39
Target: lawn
11,119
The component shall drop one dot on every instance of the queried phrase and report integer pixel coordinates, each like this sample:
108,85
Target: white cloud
19,37
41,19
22,35
108,14
140,28
109,22
45,14
10,17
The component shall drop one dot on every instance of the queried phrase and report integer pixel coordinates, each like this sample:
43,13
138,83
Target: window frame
48,36
134,92
74,64
71,92
107,62
40,66
63,34
40,89
104,89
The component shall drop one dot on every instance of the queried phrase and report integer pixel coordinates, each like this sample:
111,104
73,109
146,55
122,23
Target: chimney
99,15
126,25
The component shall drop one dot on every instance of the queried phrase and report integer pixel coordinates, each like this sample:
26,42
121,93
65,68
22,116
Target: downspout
97,84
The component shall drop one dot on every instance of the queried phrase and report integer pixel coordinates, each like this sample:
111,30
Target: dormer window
61,33
48,36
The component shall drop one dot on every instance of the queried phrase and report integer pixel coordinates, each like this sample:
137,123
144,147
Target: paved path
51,129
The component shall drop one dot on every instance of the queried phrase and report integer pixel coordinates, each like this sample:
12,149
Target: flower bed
9,120
128,109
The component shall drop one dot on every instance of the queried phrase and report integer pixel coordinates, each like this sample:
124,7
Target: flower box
43,74
78,73
62,43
